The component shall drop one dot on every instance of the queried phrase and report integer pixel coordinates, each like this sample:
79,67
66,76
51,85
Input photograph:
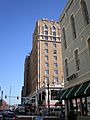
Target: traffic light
5,96
17,97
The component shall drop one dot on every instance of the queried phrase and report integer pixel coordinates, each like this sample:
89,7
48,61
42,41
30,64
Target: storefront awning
81,89
64,95
75,91
72,92
87,90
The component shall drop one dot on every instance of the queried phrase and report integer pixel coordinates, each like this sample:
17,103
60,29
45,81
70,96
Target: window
54,51
46,79
46,57
55,79
46,64
46,50
46,32
53,28
54,33
77,60
45,27
46,44
55,71
54,38
46,72
55,58
89,45
66,68
64,38
54,93
73,27
55,65
54,45
85,12
46,37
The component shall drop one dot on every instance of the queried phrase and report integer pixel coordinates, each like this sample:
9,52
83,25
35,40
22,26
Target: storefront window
88,106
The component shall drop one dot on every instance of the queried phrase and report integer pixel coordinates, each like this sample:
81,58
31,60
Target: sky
17,23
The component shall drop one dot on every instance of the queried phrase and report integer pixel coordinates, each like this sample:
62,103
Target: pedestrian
62,115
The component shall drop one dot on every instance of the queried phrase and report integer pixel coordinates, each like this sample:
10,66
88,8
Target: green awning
87,90
64,96
73,91
82,88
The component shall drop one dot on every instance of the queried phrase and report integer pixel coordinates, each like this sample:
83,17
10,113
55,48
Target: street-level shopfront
77,99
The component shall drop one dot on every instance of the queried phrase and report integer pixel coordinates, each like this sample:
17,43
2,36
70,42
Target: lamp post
48,99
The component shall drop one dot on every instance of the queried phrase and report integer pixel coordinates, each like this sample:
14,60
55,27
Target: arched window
53,28
85,12
64,38
66,67
77,61
45,27
73,28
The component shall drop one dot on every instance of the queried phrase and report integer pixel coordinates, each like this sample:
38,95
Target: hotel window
73,27
54,45
46,44
55,58
55,65
85,12
55,79
46,64
56,72
77,61
66,68
53,28
64,38
46,79
46,32
46,57
89,45
46,50
54,33
54,38
45,27
46,72
46,37
54,52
